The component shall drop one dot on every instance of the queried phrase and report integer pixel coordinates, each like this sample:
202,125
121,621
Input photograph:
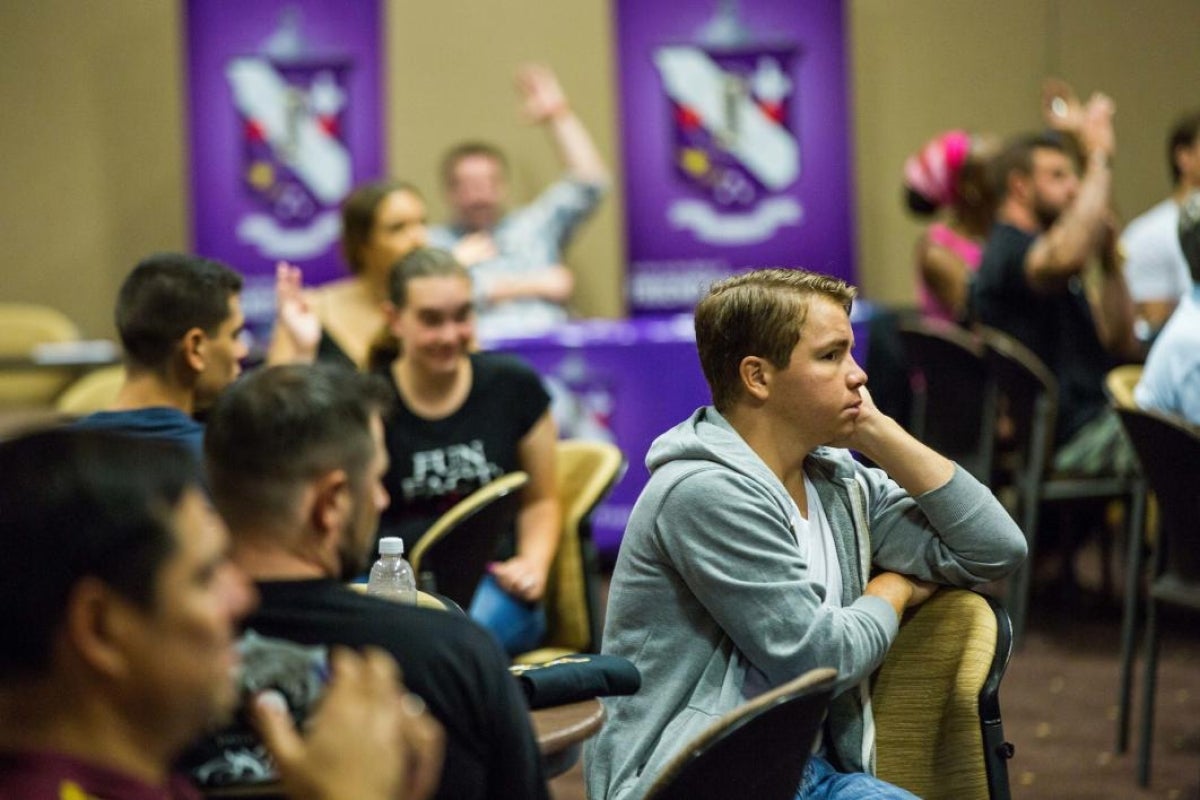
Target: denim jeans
822,782
519,626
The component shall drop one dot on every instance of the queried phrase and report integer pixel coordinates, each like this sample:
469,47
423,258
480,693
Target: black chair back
1169,452
953,400
1027,396
758,750
1027,403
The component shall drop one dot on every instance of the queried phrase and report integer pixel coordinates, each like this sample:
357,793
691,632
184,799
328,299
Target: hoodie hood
707,436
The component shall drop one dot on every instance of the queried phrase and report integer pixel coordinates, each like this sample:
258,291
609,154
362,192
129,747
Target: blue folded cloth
576,677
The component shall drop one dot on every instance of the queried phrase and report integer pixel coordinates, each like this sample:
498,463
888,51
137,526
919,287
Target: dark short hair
167,295
469,150
1183,134
1017,156
358,216
79,503
279,427
1189,233
759,313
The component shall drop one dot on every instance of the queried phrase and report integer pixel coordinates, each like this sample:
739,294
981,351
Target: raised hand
542,97
1097,133
294,314
1061,108
475,248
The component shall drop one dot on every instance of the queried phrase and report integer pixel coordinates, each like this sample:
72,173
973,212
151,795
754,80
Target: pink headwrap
933,172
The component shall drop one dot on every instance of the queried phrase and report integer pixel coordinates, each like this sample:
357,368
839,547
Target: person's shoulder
164,421
1003,233
692,483
1002,264
493,365
1151,225
331,296
333,607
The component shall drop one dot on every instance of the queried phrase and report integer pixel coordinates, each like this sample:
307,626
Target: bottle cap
391,546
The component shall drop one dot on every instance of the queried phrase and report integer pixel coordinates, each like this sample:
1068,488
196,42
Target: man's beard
354,555
1046,214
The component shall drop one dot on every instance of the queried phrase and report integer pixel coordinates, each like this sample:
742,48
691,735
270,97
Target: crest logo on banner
735,143
731,103
285,117
292,107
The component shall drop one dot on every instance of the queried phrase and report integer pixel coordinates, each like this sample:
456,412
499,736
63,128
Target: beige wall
93,156
91,146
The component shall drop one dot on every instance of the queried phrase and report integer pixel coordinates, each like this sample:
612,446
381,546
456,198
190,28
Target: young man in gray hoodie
760,549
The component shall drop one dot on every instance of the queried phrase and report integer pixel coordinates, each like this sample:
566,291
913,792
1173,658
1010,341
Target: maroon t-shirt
55,776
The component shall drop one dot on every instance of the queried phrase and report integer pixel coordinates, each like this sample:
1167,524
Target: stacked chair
1028,396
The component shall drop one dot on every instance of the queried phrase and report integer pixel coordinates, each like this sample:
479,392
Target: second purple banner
735,140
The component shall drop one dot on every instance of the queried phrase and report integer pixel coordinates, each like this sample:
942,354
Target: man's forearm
1064,250
555,284
916,467
1114,322
575,147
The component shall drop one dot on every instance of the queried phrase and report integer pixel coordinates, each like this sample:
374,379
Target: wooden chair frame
452,556
587,471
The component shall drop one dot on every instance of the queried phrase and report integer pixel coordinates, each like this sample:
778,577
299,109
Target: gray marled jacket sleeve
957,534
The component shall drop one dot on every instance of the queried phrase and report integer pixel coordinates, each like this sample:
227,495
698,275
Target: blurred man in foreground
117,646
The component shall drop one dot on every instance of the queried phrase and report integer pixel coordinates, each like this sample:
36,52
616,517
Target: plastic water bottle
391,576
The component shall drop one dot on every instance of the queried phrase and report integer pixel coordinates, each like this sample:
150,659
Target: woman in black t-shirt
462,419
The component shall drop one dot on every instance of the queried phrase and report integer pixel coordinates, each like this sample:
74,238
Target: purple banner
285,116
735,142
620,381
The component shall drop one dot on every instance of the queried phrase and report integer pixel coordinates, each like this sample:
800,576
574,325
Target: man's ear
193,346
755,373
1017,184
97,626
330,503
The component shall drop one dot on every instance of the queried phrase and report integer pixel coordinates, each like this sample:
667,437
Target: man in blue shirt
180,321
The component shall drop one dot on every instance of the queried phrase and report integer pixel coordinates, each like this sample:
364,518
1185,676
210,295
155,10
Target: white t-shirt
1155,268
814,537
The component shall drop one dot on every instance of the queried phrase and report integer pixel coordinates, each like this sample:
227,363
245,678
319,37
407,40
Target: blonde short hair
759,313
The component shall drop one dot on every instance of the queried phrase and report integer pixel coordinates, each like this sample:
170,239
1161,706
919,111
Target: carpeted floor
1059,701
1059,706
